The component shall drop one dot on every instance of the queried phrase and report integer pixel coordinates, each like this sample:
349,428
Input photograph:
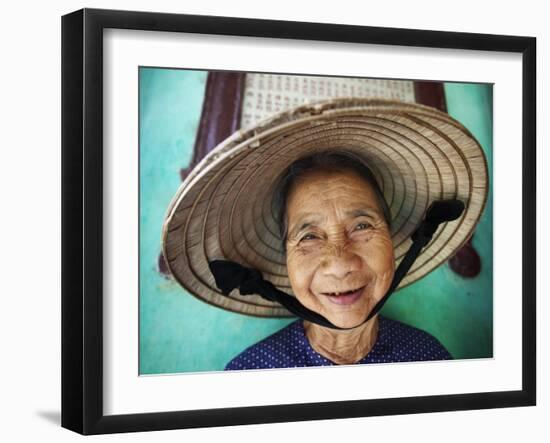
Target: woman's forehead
321,195
336,187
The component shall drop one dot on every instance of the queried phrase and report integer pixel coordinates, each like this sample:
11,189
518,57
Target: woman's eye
308,237
362,226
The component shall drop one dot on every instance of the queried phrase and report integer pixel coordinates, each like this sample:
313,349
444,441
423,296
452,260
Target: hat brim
223,209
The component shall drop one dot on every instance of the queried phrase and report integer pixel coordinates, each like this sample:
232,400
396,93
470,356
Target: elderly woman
309,214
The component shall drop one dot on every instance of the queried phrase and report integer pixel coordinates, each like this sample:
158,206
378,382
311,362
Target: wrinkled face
339,250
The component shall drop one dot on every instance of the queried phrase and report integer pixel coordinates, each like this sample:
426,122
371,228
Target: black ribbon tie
230,275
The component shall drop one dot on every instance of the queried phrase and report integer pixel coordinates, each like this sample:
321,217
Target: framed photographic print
262,217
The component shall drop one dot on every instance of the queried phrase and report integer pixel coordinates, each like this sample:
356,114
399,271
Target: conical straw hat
223,209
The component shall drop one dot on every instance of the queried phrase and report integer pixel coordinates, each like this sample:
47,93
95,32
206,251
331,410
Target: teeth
336,294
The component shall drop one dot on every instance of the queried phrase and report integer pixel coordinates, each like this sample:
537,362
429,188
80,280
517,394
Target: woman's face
339,249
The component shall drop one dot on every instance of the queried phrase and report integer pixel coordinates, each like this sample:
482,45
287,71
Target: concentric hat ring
223,209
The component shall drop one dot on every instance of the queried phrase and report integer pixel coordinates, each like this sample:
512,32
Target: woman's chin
347,315
348,320
344,311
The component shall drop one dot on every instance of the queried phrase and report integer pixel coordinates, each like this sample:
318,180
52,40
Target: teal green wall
179,333
458,311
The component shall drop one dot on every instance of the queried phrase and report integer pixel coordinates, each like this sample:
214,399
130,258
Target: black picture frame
82,218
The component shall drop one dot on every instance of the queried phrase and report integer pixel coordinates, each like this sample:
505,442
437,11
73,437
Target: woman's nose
340,264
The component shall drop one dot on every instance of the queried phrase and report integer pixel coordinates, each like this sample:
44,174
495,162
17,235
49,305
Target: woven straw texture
223,209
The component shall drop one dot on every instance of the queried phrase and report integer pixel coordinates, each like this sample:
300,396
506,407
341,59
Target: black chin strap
230,275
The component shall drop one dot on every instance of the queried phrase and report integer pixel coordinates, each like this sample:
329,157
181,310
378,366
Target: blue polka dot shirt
290,348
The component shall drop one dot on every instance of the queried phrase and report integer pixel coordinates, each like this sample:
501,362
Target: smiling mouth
346,297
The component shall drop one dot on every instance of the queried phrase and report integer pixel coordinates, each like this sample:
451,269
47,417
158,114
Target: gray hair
330,160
